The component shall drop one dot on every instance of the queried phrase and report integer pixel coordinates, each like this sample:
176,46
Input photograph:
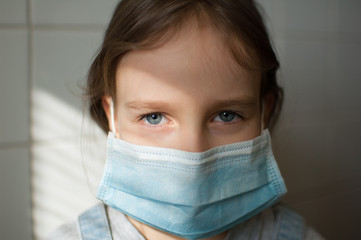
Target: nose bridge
193,138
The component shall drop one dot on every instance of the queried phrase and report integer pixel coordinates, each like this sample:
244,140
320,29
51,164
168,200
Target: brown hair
146,24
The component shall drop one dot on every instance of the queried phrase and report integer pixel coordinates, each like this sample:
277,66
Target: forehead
195,61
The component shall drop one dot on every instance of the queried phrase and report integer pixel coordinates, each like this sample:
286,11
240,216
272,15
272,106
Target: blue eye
154,118
226,116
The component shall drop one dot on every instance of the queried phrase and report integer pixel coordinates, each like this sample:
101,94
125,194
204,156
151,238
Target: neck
150,233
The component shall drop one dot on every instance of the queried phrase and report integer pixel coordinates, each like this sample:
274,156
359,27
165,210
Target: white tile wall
15,200
60,64
13,12
14,90
65,39
79,12
306,15
65,193
15,211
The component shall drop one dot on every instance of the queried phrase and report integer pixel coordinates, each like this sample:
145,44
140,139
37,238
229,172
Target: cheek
253,130
246,131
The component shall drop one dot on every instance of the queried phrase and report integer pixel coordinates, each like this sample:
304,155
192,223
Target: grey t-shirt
264,226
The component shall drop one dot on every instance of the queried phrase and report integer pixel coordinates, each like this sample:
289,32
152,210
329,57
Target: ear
268,105
106,102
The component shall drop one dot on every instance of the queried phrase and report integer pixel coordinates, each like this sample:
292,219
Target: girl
186,90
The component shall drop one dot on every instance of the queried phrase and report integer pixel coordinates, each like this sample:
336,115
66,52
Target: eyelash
237,115
143,116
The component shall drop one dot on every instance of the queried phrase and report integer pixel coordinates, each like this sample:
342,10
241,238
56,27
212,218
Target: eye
226,116
153,118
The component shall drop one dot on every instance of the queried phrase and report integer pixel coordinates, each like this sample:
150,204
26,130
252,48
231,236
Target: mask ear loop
112,117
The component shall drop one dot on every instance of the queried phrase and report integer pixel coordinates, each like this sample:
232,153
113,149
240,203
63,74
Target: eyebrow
246,101
145,104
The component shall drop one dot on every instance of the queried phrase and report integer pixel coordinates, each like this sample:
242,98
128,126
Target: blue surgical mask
191,195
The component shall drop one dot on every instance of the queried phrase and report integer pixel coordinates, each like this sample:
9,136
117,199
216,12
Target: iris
154,118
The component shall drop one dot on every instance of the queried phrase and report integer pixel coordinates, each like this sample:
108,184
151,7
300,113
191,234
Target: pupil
154,118
227,116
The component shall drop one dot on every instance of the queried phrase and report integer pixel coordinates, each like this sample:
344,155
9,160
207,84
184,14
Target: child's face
189,94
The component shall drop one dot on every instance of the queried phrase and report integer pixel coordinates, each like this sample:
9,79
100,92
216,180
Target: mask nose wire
112,117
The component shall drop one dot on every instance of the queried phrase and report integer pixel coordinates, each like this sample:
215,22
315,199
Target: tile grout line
30,105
